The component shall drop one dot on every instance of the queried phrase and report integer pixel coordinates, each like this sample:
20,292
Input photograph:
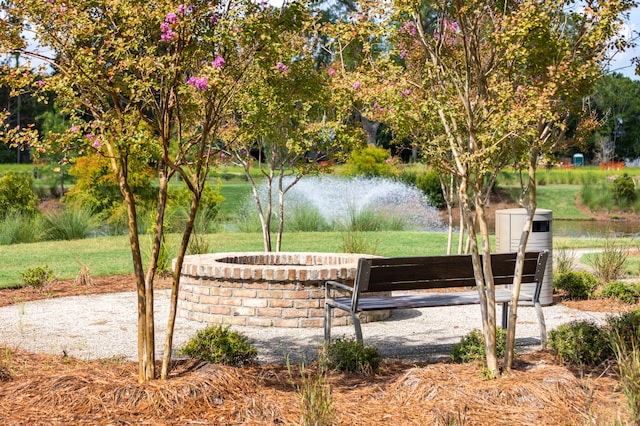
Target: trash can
509,224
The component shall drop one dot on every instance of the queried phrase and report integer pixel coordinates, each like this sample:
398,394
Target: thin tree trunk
175,286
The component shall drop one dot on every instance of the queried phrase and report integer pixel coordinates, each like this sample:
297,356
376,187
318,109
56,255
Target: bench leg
505,315
327,323
357,326
541,323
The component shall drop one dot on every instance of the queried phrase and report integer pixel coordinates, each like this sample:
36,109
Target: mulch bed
57,390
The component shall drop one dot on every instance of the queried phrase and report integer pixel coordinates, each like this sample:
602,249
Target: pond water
595,229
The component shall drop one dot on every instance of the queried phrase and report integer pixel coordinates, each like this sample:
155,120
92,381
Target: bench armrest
335,285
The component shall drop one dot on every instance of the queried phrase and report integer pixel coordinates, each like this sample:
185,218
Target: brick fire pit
263,289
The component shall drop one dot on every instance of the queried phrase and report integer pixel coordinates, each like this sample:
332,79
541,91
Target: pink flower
171,18
200,83
403,54
75,129
518,89
218,62
282,67
405,92
376,105
214,19
97,144
168,36
63,9
40,83
455,26
89,136
356,85
182,9
331,71
165,26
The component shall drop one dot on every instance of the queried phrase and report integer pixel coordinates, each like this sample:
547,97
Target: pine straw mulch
53,390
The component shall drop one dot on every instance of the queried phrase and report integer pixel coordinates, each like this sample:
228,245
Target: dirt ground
57,390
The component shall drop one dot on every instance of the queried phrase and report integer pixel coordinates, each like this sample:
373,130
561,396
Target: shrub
314,398
73,222
353,356
370,161
578,284
16,195
625,326
306,218
218,345
580,343
471,347
609,264
197,244
625,292
624,188
37,277
429,183
358,242
564,261
18,228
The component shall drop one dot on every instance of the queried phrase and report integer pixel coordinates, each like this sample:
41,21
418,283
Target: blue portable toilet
578,160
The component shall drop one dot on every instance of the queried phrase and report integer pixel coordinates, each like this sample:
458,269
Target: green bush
580,343
218,345
608,265
624,188
624,326
353,356
625,292
73,222
471,347
578,284
37,277
17,228
370,161
564,261
429,183
305,218
16,195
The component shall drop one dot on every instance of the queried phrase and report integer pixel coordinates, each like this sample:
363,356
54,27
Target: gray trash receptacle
509,224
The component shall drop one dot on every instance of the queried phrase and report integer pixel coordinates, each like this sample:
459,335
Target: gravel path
103,326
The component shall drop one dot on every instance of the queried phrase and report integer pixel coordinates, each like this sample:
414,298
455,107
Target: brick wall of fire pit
263,289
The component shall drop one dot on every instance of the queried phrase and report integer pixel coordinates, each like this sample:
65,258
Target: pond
595,229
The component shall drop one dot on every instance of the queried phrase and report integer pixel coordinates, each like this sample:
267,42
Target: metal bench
414,276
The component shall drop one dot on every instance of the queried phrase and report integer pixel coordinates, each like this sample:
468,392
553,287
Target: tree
493,84
282,118
143,83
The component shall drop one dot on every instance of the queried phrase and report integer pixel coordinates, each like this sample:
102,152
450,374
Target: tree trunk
175,286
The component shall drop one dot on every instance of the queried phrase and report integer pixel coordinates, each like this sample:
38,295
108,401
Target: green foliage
563,261
429,183
609,263
179,204
306,218
313,397
624,326
197,244
624,188
625,292
578,284
628,359
16,195
17,228
219,345
353,356
359,242
471,347
598,197
369,161
37,277
73,222
580,343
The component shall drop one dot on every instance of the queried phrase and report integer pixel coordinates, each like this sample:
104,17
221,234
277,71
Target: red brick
269,312
234,320
280,303
220,310
255,303
269,294
257,285
308,303
311,322
230,301
209,300
244,311
315,313
291,323
221,291
294,313
241,292
300,294
201,290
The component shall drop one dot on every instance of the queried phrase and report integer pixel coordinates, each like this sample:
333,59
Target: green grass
562,200
235,192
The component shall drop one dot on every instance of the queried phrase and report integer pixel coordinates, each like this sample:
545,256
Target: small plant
84,277
306,218
219,345
429,183
578,284
564,261
609,264
74,222
624,188
37,277
471,347
625,292
197,244
353,356
358,242
580,343
313,397
628,359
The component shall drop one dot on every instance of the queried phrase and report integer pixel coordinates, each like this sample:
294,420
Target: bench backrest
433,272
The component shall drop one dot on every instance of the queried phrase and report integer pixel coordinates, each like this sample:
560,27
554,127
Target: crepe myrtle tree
284,124
142,83
486,84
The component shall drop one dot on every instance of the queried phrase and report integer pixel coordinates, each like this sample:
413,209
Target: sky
622,60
